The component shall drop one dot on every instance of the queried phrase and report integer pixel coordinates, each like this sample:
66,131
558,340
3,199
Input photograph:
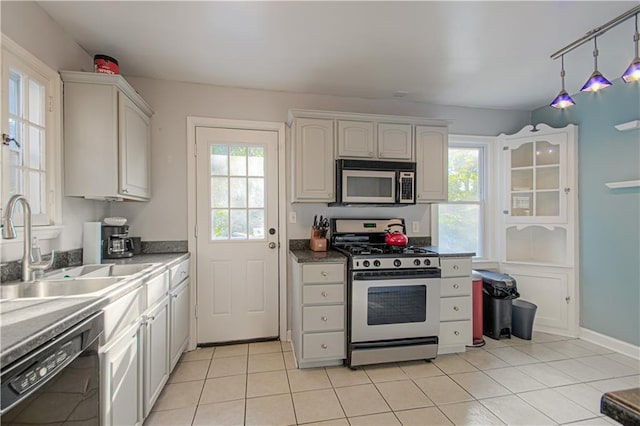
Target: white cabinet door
431,164
135,148
121,379
179,321
394,141
356,139
314,167
156,353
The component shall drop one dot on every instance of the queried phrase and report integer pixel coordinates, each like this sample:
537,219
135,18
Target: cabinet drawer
179,273
329,293
455,286
455,333
455,267
322,318
157,288
455,308
323,273
323,345
123,312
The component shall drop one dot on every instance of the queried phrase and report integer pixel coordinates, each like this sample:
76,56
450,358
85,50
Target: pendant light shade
633,72
563,100
596,81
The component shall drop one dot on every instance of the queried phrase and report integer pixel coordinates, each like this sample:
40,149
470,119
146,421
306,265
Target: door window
237,200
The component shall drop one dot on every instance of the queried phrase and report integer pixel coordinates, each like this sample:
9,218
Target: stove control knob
397,263
416,262
427,262
366,263
376,263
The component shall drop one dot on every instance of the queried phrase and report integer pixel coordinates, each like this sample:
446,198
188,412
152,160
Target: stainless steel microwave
363,182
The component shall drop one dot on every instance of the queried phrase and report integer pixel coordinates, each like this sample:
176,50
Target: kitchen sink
99,270
56,287
73,272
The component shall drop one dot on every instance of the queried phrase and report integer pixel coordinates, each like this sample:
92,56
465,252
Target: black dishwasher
57,383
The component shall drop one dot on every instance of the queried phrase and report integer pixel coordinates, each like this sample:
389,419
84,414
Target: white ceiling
476,54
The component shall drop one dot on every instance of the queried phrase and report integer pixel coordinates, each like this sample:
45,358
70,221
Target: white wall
53,46
165,216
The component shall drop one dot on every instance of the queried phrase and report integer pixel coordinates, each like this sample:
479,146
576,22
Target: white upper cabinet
394,141
313,164
431,164
107,138
356,139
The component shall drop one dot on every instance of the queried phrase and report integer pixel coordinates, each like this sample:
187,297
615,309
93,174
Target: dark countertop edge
310,256
449,253
619,406
14,352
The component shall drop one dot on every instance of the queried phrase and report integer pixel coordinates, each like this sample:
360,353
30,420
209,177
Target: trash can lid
475,276
496,279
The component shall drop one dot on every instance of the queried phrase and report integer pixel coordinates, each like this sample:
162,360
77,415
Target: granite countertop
309,256
449,253
622,406
26,324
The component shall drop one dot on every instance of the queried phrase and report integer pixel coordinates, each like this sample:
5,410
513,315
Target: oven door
368,186
402,305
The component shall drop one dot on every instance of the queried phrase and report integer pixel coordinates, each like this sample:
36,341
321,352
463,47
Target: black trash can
523,314
498,292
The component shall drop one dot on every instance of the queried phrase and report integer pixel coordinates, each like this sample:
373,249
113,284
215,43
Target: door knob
272,245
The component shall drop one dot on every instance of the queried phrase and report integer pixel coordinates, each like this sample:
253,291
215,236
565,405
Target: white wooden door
356,139
237,234
156,366
431,164
134,150
179,320
394,141
314,164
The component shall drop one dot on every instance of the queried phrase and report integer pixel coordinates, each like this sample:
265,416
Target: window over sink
31,123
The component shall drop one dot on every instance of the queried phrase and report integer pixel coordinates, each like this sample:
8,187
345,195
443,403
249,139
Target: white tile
490,343
403,395
265,362
265,347
608,366
547,375
514,411
609,385
308,379
316,406
289,361
539,337
556,406
198,354
227,366
343,376
270,410
181,416
596,349
179,395
286,346
417,369
580,371
385,372
222,414
623,359
431,416
453,363
513,356
190,371
541,352
442,390
336,422
584,395
267,383
231,350
470,413
361,400
223,389
568,347
479,385
384,419
514,380
597,421
483,360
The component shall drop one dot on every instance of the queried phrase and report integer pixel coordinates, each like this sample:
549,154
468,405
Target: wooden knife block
317,243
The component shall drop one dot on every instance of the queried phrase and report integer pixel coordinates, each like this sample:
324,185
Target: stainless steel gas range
393,294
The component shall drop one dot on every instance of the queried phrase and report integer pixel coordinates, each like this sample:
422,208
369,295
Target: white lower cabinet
179,312
156,355
455,305
121,378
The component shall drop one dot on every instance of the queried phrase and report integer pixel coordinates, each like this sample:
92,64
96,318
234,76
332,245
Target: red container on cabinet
476,297
105,64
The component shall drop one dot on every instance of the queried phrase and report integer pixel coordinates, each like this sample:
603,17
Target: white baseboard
609,342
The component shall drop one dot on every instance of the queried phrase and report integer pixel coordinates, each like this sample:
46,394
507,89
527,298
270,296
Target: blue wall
609,219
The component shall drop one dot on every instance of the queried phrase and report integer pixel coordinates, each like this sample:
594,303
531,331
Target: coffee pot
116,243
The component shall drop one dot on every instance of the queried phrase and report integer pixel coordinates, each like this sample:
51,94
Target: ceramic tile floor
546,381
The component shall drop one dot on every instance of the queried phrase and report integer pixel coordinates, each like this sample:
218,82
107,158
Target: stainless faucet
9,233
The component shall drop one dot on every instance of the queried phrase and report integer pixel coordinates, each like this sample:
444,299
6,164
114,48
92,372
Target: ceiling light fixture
633,72
563,100
596,80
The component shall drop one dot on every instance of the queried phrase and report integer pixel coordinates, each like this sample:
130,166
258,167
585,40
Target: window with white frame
31,133
461,223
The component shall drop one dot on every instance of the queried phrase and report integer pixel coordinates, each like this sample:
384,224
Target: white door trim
192,123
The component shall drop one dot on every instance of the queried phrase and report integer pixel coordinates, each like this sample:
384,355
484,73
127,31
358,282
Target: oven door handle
375,276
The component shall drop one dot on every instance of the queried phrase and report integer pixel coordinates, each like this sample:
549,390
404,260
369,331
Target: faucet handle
41,266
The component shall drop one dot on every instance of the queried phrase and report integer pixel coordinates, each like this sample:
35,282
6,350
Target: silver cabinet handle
323,319
456,286
272,245
457,333
125,190
175,296
324,294
183,273
324,346
455,308
456,267
323,273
